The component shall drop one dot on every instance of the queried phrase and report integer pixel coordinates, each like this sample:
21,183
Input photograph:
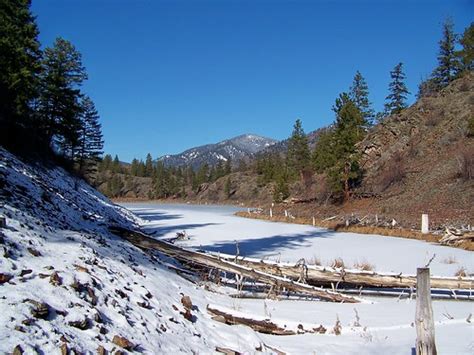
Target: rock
18,350
80,324
19,328
55,279
123,342
81,268
40,309
186,301
34,252
101,350
5,278
25,272
64,349
148,295
28,321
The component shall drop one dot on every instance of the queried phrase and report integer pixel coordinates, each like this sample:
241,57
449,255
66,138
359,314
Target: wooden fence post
314,222
271,213
425,330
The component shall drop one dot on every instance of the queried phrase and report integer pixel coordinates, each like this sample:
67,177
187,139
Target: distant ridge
236,149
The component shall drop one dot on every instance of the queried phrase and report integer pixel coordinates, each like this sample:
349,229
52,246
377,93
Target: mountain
236,149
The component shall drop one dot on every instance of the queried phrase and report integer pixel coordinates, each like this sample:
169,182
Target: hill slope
67,283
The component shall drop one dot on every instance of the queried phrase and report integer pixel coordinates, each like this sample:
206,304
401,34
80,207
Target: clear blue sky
170,75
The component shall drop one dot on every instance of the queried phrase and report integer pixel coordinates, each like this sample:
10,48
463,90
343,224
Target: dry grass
338,263
466,164
315,261
364,266
450,260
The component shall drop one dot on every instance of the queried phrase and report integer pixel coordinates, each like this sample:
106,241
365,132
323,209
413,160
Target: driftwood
319,275
259,324
453,237
141,240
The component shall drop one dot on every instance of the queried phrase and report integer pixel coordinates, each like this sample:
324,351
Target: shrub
394,172
466,164
338,263
470,127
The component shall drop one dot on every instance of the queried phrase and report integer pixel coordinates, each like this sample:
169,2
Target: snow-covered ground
66,281
386,324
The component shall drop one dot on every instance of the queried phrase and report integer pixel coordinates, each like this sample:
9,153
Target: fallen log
141,240
260,324
319,275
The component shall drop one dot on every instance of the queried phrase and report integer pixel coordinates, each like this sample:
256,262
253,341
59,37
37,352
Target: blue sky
170,75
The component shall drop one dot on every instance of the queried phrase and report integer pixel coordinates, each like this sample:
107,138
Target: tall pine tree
60,108
298,151
466,54
359,94
396,100
91,140
448,62
20,66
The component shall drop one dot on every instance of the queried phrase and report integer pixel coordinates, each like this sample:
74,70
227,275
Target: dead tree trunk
143,241
317,275
425,330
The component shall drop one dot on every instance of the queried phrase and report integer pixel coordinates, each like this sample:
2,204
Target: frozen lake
386,323
215,228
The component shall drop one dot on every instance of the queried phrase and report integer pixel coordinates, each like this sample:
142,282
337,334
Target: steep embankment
67,283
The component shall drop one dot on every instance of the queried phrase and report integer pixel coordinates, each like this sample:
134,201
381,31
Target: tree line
43,109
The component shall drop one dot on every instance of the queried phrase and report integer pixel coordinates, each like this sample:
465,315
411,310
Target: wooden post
425,229
314,222
425,330
271,213
248,210
3,222
286,213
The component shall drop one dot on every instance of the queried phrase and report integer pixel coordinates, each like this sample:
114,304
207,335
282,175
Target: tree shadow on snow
156,216
272,244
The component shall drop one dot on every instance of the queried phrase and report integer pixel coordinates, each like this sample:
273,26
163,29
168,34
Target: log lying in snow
259,324
141,240
317,275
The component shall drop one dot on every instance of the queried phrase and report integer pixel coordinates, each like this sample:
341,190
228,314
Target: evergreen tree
359,94
19,68
349,130
60,109
115,167
106,163
466,54
396,100
324,154
91,142
448,62
298,151
148,165
134,167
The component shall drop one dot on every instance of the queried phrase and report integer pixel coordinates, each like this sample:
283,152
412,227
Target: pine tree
359,94
298,150
349,130
396,100
19,69
448,62
90,141
60,108
148,165
466,54
324,155
115,167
